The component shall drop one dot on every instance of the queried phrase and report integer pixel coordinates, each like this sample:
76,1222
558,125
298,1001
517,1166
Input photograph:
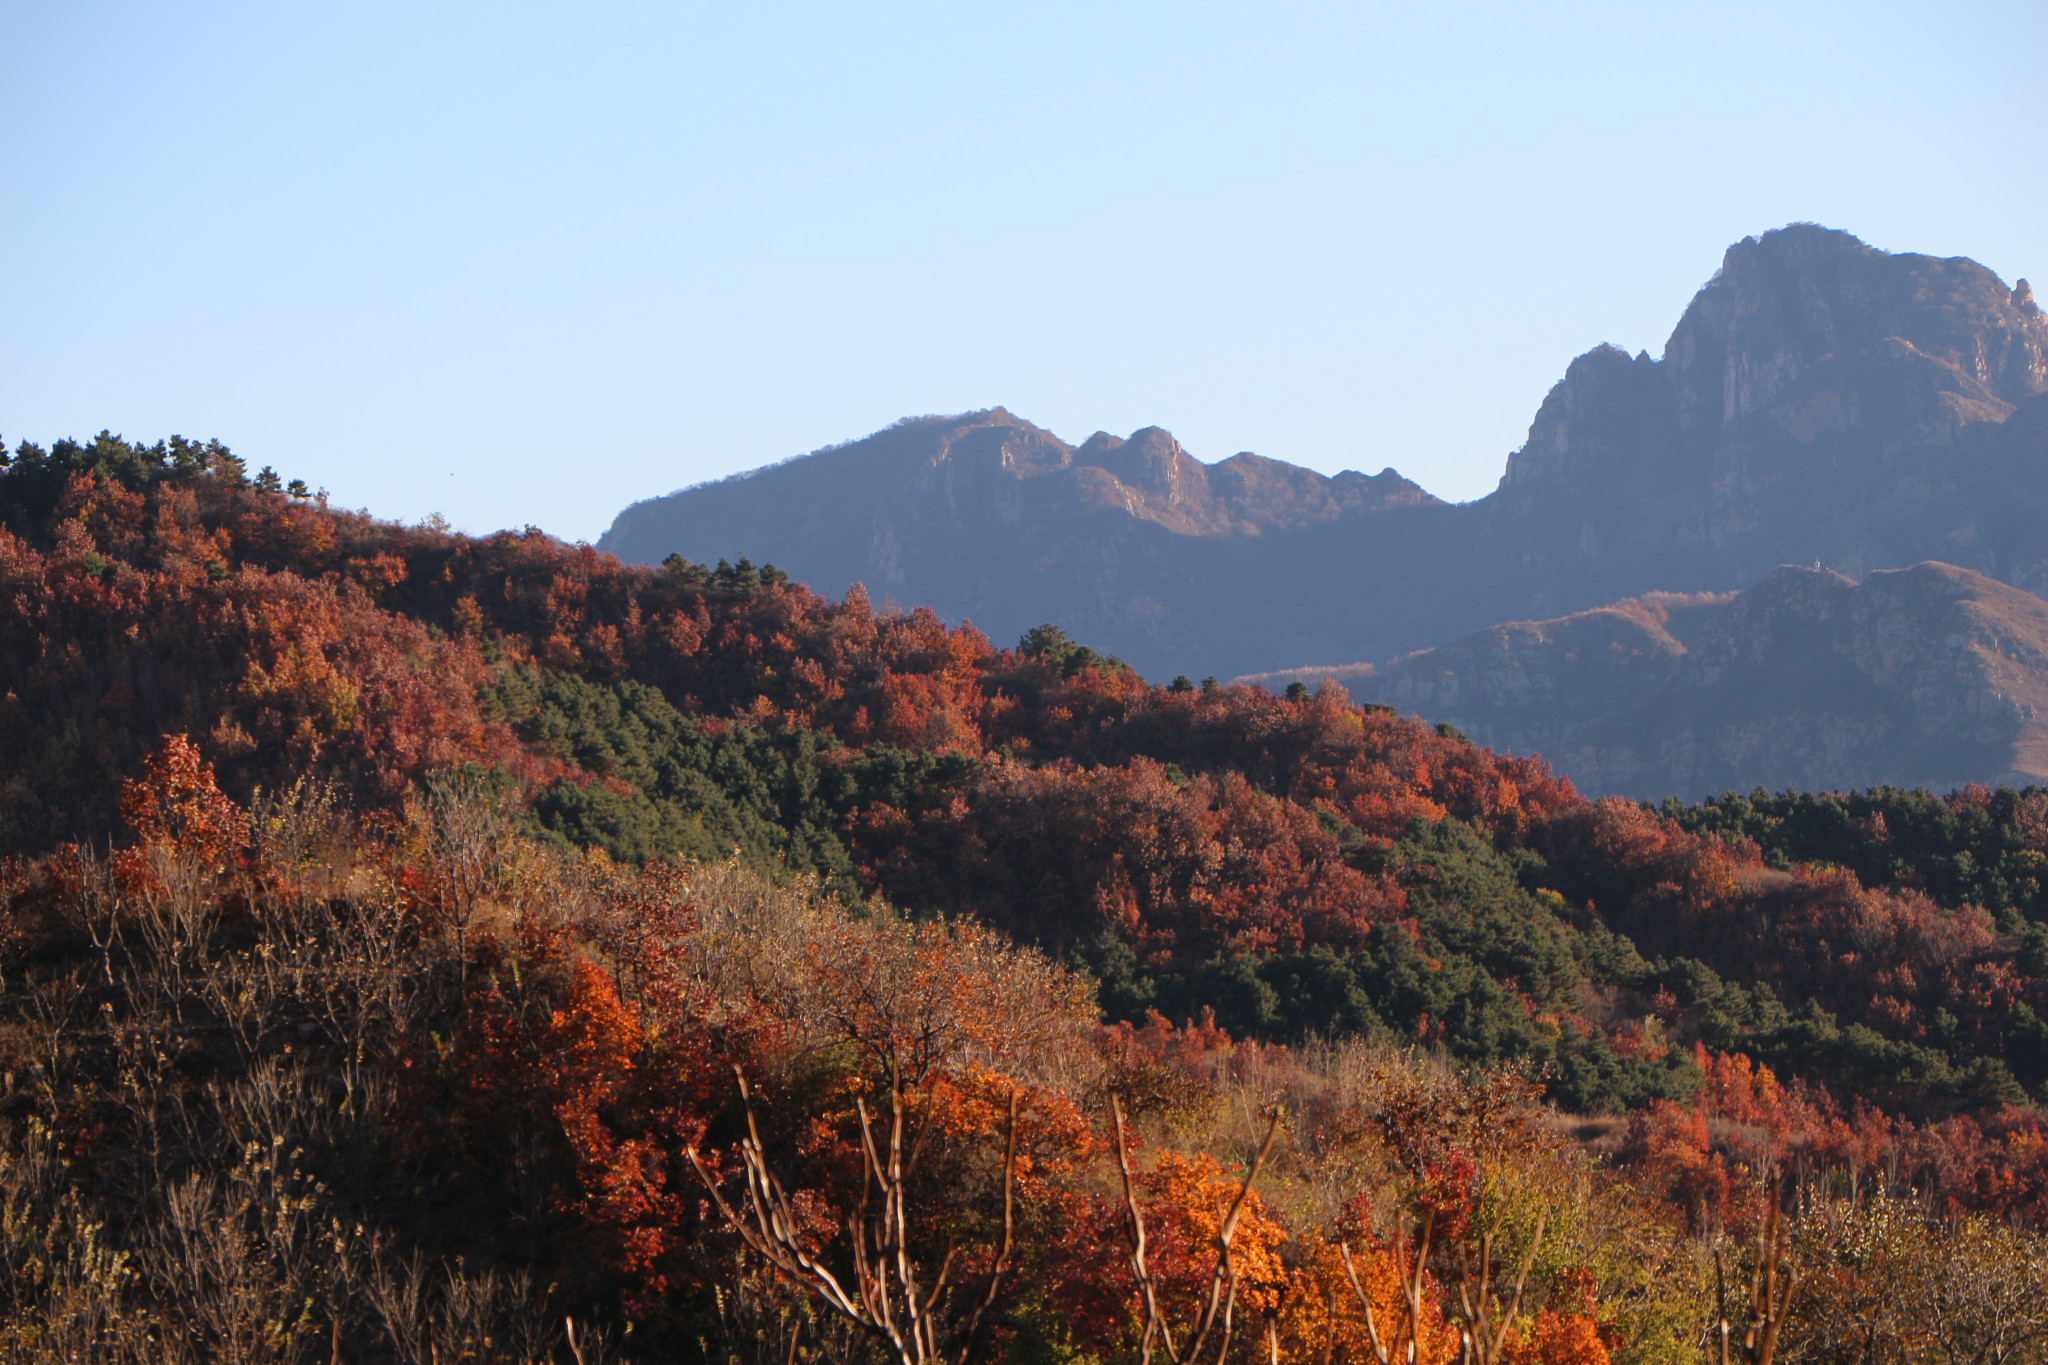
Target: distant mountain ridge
987,516
1819,400
1926,676
994,467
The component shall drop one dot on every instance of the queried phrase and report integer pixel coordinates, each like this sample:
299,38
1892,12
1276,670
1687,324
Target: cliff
1819,399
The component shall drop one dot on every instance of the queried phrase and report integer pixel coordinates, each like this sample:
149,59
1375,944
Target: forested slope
388,908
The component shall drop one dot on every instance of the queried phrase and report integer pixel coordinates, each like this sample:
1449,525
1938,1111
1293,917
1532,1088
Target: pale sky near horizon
520,262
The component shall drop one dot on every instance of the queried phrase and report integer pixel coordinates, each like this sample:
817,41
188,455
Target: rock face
1820,400
1930,675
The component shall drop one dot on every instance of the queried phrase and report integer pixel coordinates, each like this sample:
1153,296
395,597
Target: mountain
988,517
1819,399
1927,676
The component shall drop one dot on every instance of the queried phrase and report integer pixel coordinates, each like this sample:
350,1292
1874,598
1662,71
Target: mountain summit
1812,375
1819,400
1804,333
980,473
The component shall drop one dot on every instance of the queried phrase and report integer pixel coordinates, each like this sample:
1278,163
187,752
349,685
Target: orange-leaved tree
182,820
178,804
1203,1250
907,1227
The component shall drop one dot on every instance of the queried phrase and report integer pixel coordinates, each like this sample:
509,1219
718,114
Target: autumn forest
428,948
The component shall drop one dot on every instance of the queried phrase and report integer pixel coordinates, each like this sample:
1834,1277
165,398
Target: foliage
1972,847
387,910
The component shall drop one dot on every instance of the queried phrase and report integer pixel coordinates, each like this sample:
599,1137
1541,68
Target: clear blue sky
525,263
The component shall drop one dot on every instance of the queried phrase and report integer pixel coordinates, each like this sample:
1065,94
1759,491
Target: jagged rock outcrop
1820,400
1930,675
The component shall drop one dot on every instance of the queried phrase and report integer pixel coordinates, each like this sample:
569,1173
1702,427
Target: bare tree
1769,1303
912,1310
1215,1318
1400,1343
1485,1314
1483,1318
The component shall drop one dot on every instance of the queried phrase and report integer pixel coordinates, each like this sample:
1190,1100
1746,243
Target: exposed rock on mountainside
1931,675
987,516
1819,399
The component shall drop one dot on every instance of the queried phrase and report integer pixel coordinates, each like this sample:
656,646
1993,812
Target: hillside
1819,399
1930,676
420,947
1262,855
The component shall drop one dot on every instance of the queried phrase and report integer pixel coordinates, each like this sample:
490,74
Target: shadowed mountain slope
1931,675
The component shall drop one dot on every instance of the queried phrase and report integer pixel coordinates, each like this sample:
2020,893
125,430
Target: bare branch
886,1300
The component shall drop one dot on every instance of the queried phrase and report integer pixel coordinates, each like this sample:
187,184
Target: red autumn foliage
177,804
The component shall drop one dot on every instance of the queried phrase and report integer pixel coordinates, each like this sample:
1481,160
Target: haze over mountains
1820,402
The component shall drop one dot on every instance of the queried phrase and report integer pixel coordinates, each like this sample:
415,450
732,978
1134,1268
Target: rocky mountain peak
1151,461
1599,417
1809,354
1092,450
1790,300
